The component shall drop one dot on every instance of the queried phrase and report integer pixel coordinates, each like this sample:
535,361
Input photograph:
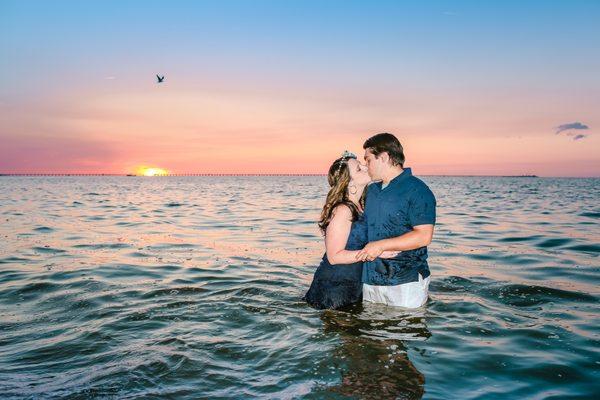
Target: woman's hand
370,252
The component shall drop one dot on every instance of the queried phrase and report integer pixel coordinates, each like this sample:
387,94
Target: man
400,215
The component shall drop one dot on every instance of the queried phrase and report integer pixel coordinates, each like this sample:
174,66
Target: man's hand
390,254
370,252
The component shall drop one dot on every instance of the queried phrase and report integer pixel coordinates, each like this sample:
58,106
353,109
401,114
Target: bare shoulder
341,211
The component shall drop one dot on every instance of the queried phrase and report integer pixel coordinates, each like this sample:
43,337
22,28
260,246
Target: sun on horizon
151,171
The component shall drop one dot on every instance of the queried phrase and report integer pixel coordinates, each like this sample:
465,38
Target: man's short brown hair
386,142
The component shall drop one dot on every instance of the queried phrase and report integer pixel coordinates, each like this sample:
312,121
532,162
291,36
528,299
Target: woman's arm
336,236
420,236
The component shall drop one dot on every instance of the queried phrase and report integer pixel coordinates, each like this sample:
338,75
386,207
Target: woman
337,281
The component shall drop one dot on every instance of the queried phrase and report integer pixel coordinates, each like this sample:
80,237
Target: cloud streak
568,127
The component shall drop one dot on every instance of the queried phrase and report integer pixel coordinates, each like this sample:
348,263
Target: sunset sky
470,87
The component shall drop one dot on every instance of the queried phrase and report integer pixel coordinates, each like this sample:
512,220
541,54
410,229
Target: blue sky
535,62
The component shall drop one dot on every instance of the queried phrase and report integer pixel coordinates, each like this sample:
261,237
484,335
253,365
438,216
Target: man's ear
385,157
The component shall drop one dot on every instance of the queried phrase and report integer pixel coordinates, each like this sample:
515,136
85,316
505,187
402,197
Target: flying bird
160,79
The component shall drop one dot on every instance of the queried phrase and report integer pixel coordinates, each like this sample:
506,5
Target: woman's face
359,174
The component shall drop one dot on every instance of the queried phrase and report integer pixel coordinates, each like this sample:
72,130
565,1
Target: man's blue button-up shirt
393,211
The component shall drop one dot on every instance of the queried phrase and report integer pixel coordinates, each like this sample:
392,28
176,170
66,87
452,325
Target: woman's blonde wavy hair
339,179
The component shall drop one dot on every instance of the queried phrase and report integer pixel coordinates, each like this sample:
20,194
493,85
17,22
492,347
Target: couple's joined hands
373,250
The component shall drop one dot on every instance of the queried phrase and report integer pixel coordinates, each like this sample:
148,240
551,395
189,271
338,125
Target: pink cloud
20,155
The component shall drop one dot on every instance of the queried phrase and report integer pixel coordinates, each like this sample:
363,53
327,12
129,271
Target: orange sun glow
151,171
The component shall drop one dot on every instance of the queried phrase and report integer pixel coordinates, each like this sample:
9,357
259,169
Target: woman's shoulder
342,210
347,211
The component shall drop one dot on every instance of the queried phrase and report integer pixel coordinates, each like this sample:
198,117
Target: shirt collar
400,178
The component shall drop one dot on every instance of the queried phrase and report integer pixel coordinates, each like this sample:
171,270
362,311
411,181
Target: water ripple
191,288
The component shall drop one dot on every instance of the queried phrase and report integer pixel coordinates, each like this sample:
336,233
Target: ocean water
190,287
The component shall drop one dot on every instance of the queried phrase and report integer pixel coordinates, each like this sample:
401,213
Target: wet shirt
393,211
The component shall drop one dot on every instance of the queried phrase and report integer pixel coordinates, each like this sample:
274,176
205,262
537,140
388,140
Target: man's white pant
409,295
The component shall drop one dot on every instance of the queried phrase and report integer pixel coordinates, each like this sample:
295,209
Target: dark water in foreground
190,288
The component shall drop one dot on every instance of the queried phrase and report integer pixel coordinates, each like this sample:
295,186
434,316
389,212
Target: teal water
185,288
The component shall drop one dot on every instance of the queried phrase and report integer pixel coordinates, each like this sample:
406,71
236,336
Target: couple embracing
377,221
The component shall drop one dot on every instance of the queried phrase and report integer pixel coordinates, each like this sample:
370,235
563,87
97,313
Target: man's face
375,165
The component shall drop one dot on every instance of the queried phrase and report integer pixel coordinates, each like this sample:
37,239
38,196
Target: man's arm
420,236
421,216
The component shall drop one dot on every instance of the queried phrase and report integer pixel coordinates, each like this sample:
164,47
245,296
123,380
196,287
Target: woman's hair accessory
344,159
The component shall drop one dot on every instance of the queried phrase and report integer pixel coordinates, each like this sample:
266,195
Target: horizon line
35,174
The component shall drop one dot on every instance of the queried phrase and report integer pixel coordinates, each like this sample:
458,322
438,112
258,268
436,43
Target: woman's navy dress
336,286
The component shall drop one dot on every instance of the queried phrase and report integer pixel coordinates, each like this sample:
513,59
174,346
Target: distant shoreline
234,175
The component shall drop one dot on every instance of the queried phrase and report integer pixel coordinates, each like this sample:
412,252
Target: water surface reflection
372,356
